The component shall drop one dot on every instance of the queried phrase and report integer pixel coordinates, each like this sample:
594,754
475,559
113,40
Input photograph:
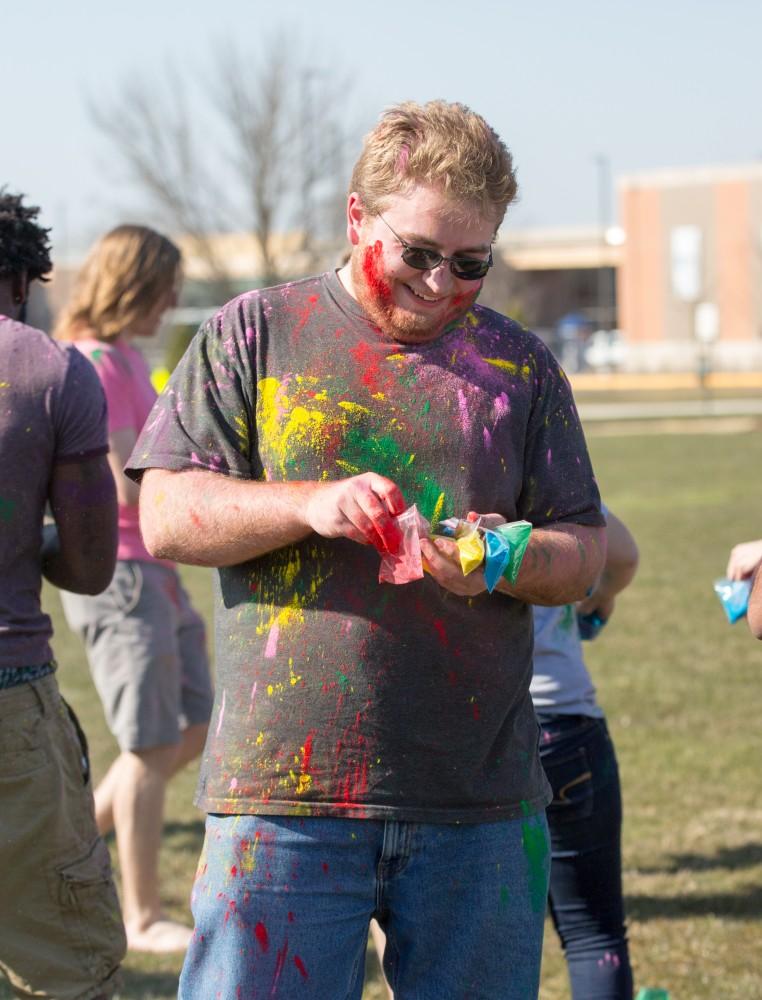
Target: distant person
61,933
366,736
145,642
585,816
743,564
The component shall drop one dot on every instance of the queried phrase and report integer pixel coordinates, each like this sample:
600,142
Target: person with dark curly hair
61,932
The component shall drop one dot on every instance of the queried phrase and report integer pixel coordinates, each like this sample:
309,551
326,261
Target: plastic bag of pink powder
407,564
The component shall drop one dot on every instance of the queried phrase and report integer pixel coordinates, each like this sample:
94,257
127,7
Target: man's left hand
442,560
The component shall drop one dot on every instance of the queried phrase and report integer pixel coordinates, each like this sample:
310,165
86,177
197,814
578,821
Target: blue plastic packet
734,597
590,625
497,557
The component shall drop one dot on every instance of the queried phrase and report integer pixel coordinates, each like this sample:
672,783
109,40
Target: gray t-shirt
561,683
338,695
52,410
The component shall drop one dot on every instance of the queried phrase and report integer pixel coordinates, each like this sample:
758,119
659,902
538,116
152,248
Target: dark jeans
585,820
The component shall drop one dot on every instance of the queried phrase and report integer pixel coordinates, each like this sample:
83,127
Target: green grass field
681,688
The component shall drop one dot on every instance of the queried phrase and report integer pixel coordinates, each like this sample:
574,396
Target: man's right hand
744,559
361,508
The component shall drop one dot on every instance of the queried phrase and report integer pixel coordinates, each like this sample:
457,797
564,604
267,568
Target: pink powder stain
260,933
233,784
195,519
550,456
501,406
252,699
487,438
465,416
272,642
402,159
221,715
250,335
300,966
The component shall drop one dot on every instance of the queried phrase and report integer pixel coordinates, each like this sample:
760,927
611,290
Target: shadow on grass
743,905
188,834
137,985
728,858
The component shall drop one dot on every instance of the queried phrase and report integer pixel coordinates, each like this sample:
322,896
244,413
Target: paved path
665,409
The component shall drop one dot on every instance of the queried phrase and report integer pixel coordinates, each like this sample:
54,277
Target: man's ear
355,218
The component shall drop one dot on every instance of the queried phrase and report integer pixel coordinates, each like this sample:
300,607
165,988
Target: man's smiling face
413,306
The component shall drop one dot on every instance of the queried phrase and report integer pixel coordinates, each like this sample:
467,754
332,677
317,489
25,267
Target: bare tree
263,147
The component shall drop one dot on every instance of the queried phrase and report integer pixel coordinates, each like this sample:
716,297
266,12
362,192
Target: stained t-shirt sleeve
79,412
205,418
559,484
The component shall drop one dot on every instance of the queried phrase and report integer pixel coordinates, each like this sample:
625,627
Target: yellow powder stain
293,677
242,432
305,780
353,407
349,467
260,738
472,318
5,385
411,459
436,517
270,690
511,367
321,396
380,396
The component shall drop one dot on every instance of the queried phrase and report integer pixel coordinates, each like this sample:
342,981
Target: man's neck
7,306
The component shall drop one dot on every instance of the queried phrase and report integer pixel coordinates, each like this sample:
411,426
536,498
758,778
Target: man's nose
440,278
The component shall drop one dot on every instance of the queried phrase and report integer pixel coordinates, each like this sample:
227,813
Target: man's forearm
208,519
560,565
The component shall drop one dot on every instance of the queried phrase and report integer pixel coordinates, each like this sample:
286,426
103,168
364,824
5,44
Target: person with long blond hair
145,643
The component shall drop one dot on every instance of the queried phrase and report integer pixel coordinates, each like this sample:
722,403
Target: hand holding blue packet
734,596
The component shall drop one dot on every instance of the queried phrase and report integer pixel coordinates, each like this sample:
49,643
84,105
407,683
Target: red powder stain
477,713
234,871
194,518
307,754
290,917
452,678
279,963
371,268
440,629
325,867
300,966
260,933
368,362
230,910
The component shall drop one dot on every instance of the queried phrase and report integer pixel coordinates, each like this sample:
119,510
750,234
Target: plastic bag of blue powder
734,597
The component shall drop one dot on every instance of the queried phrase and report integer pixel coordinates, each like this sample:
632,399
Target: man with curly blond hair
373,748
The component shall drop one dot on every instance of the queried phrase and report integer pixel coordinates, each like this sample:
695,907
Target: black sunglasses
423,259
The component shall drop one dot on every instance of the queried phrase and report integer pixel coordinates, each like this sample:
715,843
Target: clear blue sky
647,84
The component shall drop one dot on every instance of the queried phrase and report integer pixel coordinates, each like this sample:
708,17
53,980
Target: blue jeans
585,820
282,907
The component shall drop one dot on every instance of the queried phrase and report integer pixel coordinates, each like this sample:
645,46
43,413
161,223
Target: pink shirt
130,396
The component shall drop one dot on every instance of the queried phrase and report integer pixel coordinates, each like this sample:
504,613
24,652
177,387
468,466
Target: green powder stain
97,354
7,509
343,681
535,844
504,895
383,455
425,409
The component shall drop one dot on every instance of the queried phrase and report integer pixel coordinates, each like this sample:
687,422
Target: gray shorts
146,646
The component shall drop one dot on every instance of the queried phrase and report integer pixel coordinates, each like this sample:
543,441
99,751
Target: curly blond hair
124,277
446,146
